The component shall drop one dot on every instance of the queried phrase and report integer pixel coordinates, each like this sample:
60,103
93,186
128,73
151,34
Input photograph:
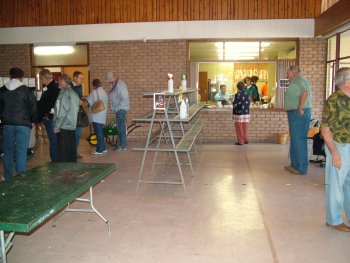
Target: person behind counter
222,95
253,89
265,90
241,114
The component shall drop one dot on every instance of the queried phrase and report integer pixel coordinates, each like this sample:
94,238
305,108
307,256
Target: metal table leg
92,210
3,248
5,244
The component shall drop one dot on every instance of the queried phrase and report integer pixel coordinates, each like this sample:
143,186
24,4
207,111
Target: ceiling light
265,44
242,44
53,50
239,57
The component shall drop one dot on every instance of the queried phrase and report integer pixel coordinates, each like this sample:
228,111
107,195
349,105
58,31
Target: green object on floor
29,199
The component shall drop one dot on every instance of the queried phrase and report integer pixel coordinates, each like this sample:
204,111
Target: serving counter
264,126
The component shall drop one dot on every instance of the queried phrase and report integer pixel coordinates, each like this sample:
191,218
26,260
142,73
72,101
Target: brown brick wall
312,62
143,66
264,125
15,56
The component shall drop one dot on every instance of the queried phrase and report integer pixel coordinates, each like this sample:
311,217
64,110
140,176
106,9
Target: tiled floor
242,206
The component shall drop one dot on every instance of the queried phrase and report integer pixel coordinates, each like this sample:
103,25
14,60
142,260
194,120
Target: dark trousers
52,139
66,146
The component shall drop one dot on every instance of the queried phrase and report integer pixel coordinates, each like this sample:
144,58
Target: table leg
92,210
2,246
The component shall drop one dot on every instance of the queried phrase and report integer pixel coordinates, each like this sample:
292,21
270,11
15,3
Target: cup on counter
219,103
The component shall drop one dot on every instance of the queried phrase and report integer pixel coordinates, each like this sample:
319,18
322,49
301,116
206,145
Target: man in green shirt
298,99
335,129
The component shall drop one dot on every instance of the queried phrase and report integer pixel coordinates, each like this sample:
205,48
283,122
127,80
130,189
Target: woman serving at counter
241,114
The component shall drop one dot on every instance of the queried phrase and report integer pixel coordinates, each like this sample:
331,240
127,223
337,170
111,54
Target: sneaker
105,151
124,148
97,153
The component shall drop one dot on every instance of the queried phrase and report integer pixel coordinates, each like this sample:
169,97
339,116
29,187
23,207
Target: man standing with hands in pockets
119,100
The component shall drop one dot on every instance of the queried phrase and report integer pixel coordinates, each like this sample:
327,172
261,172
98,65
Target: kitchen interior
230,62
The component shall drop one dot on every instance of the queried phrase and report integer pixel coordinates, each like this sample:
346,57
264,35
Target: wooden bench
30,199
187,141
184,145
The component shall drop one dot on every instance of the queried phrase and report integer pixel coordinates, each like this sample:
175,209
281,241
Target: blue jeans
98,128
78,136
121,127
337,185
16,142
52,139
298,128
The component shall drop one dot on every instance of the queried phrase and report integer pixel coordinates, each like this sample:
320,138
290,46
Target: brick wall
312,62
264,125
143,66
15,56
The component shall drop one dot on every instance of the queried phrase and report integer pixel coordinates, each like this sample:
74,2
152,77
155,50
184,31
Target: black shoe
315,161
237,143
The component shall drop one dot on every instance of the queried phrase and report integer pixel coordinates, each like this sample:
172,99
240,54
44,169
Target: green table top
30,199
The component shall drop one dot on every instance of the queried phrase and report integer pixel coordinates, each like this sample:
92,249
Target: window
331,48
242,50
338,44
345,44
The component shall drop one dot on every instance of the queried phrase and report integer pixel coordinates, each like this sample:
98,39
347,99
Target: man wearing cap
119,100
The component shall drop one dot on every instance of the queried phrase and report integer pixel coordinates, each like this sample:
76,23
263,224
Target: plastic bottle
170,83
183,110
183,82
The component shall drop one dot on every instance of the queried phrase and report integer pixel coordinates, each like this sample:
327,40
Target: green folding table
29,199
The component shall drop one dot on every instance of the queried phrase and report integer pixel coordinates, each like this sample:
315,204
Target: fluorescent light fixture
265,44
219,44
242,44
53,50
239,58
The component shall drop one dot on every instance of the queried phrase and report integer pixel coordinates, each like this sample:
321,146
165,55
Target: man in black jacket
17,112
46,106
78,78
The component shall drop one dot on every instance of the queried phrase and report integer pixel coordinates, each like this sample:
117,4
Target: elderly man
336,134
119,100
46,107
298,106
